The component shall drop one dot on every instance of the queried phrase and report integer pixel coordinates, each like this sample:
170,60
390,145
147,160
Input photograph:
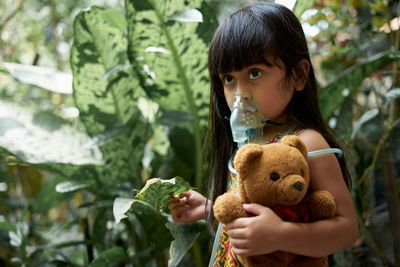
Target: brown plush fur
258,168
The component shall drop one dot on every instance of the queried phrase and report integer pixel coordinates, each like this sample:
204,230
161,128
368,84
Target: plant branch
11,15
89,246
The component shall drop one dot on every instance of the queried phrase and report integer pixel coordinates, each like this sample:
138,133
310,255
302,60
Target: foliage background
57,205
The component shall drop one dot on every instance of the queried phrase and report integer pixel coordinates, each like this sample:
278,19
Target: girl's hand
255,235
187,207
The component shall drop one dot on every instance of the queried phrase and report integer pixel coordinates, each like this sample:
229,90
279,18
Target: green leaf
106,91
49,79
157,191
41,137
184,235
170,59
153,223
301,6
48,197
110,256
332,96
8,227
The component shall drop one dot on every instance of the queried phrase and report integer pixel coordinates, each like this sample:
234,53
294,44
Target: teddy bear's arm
320,205
228,207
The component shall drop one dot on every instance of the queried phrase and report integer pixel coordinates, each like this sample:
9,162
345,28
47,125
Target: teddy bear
276,175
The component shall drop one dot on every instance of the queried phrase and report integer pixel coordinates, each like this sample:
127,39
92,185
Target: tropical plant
141,86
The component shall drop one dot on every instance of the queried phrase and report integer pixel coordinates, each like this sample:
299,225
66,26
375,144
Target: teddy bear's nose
298,186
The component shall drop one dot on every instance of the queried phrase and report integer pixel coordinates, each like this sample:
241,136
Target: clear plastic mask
246,120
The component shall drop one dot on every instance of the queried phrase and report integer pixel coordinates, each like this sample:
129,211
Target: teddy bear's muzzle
293,189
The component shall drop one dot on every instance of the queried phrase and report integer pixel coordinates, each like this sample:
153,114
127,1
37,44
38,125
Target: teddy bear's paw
228,207
321,205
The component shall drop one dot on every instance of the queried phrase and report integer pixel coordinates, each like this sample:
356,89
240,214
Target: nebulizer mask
246,120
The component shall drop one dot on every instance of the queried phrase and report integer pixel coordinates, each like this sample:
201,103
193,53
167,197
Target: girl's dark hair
243,39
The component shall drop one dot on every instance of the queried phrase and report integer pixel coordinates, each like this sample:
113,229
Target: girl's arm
326,236
266,232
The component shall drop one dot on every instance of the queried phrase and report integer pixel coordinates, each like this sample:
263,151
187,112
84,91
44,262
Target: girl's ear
300,79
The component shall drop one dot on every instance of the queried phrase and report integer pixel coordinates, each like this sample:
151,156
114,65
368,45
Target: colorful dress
224,255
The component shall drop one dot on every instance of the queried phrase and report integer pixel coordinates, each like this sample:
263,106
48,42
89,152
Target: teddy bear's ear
244,155
295,142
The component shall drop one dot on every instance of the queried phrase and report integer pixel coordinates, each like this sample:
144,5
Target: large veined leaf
42,137
49,79
107,92
332,96
157,191
170,59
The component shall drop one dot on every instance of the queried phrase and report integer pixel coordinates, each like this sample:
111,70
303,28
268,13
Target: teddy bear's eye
302,172
274,176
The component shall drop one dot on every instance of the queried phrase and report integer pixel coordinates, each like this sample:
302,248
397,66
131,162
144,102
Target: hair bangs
241,41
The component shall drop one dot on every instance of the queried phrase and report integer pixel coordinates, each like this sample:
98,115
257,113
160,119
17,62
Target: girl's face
266,83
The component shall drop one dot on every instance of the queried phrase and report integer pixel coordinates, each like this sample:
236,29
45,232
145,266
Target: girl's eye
254,74
227,80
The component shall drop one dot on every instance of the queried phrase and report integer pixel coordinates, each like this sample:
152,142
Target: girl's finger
239,243
239,233
177,203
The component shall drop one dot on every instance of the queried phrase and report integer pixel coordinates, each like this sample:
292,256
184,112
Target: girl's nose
243,89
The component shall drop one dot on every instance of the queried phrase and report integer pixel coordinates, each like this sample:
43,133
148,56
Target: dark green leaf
331,96
48,197
107,92
111,256
157,191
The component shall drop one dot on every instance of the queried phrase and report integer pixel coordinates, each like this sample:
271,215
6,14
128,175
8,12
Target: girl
261,51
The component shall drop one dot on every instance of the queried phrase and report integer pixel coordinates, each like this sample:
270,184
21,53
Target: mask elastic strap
268,121
338,153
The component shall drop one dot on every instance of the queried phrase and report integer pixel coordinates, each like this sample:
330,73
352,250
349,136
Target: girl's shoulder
313,139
